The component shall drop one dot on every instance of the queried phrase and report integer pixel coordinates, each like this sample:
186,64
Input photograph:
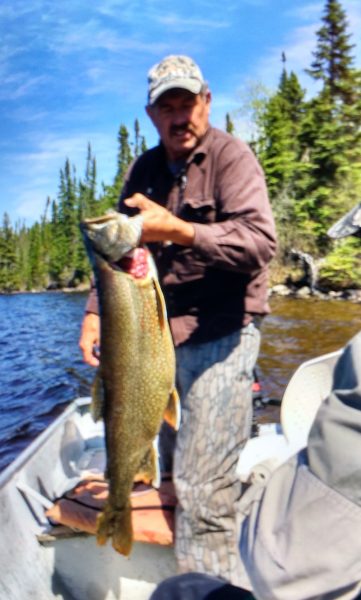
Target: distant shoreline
350,295
281,290
67,290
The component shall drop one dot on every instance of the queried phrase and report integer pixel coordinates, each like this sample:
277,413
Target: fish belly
137,373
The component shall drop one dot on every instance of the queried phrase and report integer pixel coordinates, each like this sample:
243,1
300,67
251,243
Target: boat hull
36,562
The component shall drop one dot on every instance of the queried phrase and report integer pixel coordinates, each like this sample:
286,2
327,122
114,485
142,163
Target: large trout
135,380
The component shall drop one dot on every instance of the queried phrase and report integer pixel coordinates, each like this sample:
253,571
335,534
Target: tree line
51,254
309,148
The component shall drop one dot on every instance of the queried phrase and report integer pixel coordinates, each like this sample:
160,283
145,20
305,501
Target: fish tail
117,524
172,414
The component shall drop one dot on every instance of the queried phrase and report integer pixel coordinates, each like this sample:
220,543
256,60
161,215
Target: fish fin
153,271
149,471
162,310
172,414
97,394
117,524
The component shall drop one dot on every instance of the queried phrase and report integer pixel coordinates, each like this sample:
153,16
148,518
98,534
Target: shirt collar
199,151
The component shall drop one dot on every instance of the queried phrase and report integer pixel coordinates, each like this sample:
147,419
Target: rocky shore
281,289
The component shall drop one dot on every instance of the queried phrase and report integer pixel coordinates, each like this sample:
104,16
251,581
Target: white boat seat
307,389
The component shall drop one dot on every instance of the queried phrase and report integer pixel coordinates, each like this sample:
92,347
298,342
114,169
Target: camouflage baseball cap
174,72
349,224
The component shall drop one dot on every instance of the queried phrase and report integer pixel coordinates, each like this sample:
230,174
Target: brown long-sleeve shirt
212,287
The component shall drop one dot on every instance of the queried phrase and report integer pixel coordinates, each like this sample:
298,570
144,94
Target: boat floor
44,561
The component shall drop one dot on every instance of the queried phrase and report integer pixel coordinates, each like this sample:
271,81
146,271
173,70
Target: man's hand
90,338
159,225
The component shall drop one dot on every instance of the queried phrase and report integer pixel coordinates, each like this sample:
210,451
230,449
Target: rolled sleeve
92,304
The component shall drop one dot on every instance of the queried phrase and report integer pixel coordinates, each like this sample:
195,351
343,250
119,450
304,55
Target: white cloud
307,12
30,202
26,114
313,13
16,9
179,23
121,9
93,35
35,174
65,67
20,84
300,42
297,48
224,102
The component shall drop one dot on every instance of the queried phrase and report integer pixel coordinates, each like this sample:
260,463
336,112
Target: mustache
183,128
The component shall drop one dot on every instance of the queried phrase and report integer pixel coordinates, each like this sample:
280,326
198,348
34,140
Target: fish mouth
97,220
112,235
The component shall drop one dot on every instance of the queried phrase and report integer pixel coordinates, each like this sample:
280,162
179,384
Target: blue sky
73,71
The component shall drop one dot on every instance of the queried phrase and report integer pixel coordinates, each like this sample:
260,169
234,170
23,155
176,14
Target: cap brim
350,224
193,86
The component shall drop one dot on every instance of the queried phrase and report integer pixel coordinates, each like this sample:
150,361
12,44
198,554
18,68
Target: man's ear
150,112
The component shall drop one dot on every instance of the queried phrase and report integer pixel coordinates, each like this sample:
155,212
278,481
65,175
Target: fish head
112,235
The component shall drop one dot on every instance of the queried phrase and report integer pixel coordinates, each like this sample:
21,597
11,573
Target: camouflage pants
214,381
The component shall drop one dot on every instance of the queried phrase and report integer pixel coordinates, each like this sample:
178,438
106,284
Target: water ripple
41,366
42,369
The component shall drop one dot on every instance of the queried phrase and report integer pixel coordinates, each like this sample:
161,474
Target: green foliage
341,269
51,253
311,149
9,280
332,62
280,149
124,157
229,125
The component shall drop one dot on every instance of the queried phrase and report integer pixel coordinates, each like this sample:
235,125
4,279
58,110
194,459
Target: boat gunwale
20,461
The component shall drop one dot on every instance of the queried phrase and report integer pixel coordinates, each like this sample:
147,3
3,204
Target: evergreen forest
309,148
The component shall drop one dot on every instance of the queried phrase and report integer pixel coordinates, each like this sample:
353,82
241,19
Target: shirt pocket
198,209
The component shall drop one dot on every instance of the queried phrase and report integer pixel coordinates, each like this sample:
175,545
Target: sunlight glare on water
301,329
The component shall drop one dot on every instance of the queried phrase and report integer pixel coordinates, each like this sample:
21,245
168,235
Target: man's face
181,119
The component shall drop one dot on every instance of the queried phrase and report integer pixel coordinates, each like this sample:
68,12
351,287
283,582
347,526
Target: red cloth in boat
152,509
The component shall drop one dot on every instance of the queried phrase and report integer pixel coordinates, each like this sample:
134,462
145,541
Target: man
208,222
300,531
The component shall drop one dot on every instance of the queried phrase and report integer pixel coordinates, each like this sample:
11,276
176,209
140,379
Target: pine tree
137,138
37,267
9,276
57,248
279,149
88,206
22,253
51,253
331,130
229,124
112,192
282,120
143,145
332,62
88,188
124,157
68,217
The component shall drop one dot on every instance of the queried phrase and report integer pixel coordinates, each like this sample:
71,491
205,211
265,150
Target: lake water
41,368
